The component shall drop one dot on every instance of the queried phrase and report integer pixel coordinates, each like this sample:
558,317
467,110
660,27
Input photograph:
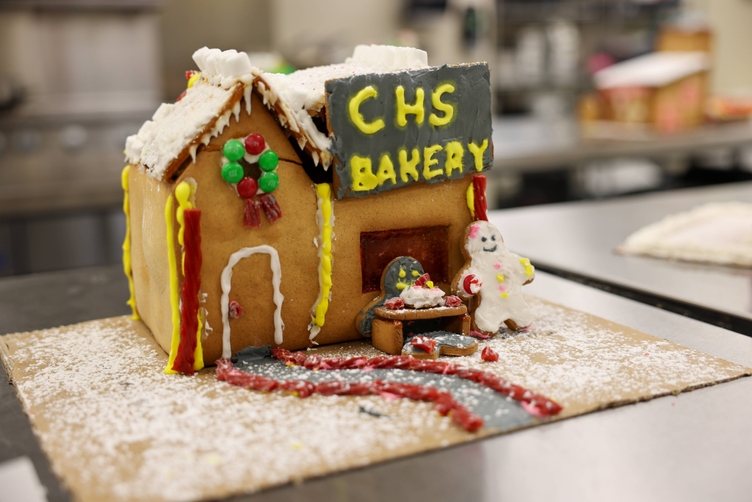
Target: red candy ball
247,187
254,144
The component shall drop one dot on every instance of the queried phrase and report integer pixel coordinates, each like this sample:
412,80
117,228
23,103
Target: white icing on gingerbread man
496,275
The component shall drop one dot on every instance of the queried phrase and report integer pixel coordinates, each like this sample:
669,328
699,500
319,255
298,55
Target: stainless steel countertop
580,238
695,446
528,144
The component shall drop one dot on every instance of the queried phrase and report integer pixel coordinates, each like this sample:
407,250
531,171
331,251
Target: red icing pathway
444,403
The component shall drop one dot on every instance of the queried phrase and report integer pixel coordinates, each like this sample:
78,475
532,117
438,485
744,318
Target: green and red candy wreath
249,165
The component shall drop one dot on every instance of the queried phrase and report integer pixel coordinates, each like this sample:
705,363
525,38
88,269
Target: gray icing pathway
497,410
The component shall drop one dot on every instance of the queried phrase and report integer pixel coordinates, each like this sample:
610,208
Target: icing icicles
325,220
127,244
226,281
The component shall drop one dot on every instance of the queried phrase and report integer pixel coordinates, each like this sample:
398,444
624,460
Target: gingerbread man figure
493,277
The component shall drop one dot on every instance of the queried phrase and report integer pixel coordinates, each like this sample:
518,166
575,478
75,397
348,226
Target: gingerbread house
262,208
663,90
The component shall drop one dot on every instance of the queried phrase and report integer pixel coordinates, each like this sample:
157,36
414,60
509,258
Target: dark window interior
428,245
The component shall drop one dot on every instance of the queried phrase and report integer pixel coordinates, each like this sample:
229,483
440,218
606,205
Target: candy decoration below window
251,167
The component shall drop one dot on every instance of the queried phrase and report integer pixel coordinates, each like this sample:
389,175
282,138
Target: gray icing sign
395,129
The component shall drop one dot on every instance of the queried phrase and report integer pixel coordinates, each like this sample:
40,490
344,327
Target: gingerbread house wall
681,104
151,270
415,206
222,234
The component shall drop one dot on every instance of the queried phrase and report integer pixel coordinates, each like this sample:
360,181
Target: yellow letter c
357,117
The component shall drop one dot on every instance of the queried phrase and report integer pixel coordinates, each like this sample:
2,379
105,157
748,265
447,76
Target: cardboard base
116,427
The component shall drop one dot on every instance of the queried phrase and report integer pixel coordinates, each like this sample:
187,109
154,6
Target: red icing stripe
443,401
189,294
535,404
479,197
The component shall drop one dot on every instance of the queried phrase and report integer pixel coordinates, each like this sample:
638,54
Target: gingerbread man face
483,240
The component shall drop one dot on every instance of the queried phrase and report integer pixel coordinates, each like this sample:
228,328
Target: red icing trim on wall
479,197
189,294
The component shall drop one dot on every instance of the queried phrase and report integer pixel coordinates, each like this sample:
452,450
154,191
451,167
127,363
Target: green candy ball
268,161
232,172
234,149
269,182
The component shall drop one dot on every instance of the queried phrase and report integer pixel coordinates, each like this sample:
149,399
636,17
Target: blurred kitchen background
78,76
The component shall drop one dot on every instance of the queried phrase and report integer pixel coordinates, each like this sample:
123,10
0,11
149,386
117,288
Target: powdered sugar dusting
116,427
586,363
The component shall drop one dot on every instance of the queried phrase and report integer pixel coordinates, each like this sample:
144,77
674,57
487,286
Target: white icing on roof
223,67
175,126
388,57
301,94
305,88
294,98
652,70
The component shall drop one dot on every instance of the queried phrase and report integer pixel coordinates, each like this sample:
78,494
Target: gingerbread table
387,332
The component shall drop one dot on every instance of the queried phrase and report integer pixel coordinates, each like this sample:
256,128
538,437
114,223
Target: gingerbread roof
652,70
176,130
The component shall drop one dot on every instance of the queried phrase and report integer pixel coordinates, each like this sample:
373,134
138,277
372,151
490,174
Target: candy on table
489,355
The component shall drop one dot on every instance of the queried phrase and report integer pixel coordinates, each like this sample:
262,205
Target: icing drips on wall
127,266
226,282
325,220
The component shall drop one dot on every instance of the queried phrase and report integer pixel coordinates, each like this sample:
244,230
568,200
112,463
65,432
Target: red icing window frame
428,245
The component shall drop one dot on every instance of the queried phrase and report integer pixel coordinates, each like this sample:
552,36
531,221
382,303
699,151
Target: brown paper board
116,427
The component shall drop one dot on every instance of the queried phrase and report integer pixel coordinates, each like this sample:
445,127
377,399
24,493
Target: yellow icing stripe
324,192
183,192
174,299
192,80
198,354
470,197
127,267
